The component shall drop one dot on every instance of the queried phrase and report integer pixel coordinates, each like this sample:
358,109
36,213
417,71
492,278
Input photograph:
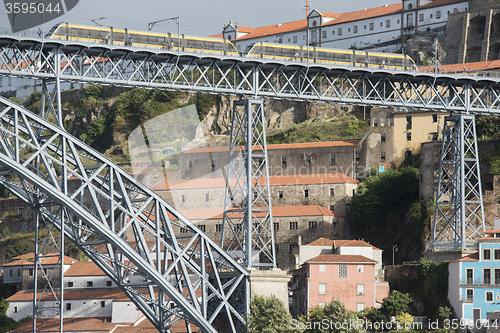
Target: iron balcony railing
480,282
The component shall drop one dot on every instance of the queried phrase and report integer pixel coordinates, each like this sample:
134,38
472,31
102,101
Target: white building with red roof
20,271
380,28
348,270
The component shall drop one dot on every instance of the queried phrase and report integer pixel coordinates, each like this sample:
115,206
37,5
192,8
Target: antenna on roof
307,8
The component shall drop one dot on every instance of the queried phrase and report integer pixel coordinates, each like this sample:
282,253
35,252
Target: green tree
405,319
395,304
381,208
323,319
267,315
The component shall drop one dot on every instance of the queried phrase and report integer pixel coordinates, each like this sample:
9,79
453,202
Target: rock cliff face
280,115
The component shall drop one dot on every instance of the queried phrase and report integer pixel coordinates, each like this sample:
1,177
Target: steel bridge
252,77
189,278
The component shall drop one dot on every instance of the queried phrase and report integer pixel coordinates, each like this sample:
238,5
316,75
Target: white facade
378,29
454,278
118,311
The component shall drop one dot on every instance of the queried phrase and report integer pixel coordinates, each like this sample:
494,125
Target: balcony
467,299
481,282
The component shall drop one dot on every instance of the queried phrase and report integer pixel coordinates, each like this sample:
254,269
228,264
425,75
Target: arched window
410,6
229,37
314,23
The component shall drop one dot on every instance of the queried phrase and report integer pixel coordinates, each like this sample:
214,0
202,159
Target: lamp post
98,19
394,249
177,19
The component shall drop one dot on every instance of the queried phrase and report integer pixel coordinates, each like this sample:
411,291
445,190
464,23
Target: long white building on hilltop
380,28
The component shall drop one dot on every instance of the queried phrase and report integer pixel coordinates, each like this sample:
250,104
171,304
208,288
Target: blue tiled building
474,281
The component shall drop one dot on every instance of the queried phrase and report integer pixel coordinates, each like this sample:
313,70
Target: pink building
348,278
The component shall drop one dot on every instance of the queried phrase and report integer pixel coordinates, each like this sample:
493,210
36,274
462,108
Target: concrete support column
462,51
485,47
270,282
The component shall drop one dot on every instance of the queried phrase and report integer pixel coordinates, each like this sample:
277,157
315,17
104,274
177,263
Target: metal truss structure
106,204
251,77
459,214
247,229
124,227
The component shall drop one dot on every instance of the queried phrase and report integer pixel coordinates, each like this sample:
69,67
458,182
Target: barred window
343,271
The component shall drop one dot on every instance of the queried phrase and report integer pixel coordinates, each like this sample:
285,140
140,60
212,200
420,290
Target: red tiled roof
29,259
339,258
311,179
275,29
437,3
352,242
473,66
470,257
366,14
278,211
84,268
70,325
279,146
492,231
206,183
115,294
321,242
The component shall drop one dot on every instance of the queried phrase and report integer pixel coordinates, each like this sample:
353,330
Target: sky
197,17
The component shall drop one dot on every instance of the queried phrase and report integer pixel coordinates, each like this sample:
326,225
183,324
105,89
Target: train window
118,36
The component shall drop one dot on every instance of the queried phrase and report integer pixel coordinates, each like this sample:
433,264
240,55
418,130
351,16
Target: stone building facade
401,133
331,191
474,35
283,159
290,222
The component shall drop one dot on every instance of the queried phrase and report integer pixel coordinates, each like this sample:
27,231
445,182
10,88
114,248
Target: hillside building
380,28
474,281
401,133
330,190
348,270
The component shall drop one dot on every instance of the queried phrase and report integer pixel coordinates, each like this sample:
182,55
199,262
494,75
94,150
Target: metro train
105,35
331,56
66,31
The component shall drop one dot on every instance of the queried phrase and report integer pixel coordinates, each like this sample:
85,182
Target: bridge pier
459,212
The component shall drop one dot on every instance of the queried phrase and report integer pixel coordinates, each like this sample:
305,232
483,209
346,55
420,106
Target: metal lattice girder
247,229
459,213
110,217
262,78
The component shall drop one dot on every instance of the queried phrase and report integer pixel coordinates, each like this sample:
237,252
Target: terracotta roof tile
436,3
366,14
275,29
115,294
70,325
338,258
278,211
473,66
29,259
207,183
470,257
321,242
84,268
352,242
280,146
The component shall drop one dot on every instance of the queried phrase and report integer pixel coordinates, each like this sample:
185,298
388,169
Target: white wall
454,271
125,312
357,250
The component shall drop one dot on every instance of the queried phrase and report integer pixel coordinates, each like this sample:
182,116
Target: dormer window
314,23
410,6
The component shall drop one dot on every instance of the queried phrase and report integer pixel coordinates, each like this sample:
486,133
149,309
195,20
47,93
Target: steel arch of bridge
109,217
252,77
